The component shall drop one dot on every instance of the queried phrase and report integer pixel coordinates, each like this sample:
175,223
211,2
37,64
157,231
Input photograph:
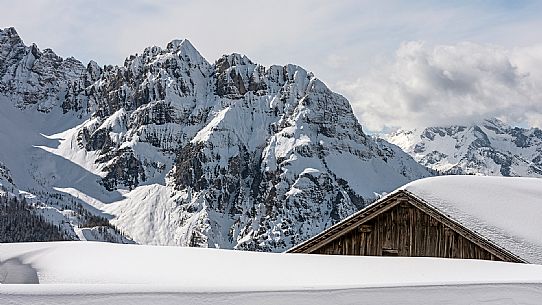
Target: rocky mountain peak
183,152
10,36
11,49
34,78
231,60
494,124
184,48
94,71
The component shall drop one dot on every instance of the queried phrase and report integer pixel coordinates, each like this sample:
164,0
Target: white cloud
337,40
447,84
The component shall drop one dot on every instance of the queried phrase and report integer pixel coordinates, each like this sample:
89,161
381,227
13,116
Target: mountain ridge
488,147
174,150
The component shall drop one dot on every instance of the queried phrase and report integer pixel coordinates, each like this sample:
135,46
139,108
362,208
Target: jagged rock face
489,148
31,77
231,154
251,163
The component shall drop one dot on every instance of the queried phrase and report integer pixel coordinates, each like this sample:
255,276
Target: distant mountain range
171,149
489,147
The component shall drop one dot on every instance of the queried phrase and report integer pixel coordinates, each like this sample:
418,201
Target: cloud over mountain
445,84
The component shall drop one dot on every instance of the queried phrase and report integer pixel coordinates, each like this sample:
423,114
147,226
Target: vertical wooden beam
411,232
362,243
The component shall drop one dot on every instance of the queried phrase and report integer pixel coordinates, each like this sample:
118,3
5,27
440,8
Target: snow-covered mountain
489,147
175,150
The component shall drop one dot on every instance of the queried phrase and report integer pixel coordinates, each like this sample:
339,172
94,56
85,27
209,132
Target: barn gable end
403,225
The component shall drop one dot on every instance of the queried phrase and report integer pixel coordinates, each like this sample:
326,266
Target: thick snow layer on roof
505,210
88,272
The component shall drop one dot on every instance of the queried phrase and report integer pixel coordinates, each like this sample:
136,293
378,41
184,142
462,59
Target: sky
402,64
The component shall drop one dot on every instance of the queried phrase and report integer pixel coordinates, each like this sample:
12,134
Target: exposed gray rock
237,155
489,148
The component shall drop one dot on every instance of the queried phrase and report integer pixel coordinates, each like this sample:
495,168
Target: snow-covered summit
180,151
184,48
37,79
489,147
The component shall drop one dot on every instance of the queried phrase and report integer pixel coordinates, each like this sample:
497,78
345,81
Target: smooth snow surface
505,210
101,273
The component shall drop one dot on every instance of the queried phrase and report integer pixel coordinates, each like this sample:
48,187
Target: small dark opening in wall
390,252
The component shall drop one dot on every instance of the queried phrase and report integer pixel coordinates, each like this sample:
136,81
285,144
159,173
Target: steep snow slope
29,171
488,148
76,273
179,151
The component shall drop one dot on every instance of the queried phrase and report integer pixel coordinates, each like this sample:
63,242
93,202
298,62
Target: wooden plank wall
405,231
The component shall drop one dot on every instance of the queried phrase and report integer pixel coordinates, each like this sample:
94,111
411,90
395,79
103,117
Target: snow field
101,273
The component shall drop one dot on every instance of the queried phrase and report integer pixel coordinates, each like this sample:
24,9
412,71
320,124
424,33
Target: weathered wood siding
404,230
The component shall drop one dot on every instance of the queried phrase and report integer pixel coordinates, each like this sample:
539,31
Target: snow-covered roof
505,210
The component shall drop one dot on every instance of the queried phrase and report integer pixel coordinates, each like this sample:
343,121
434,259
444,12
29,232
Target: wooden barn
470,217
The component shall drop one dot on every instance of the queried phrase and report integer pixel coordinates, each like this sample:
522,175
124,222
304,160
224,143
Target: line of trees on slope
19,224
103,230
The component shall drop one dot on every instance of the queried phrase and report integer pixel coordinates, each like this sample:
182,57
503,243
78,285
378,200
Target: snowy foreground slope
489,147
176,150
101,273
